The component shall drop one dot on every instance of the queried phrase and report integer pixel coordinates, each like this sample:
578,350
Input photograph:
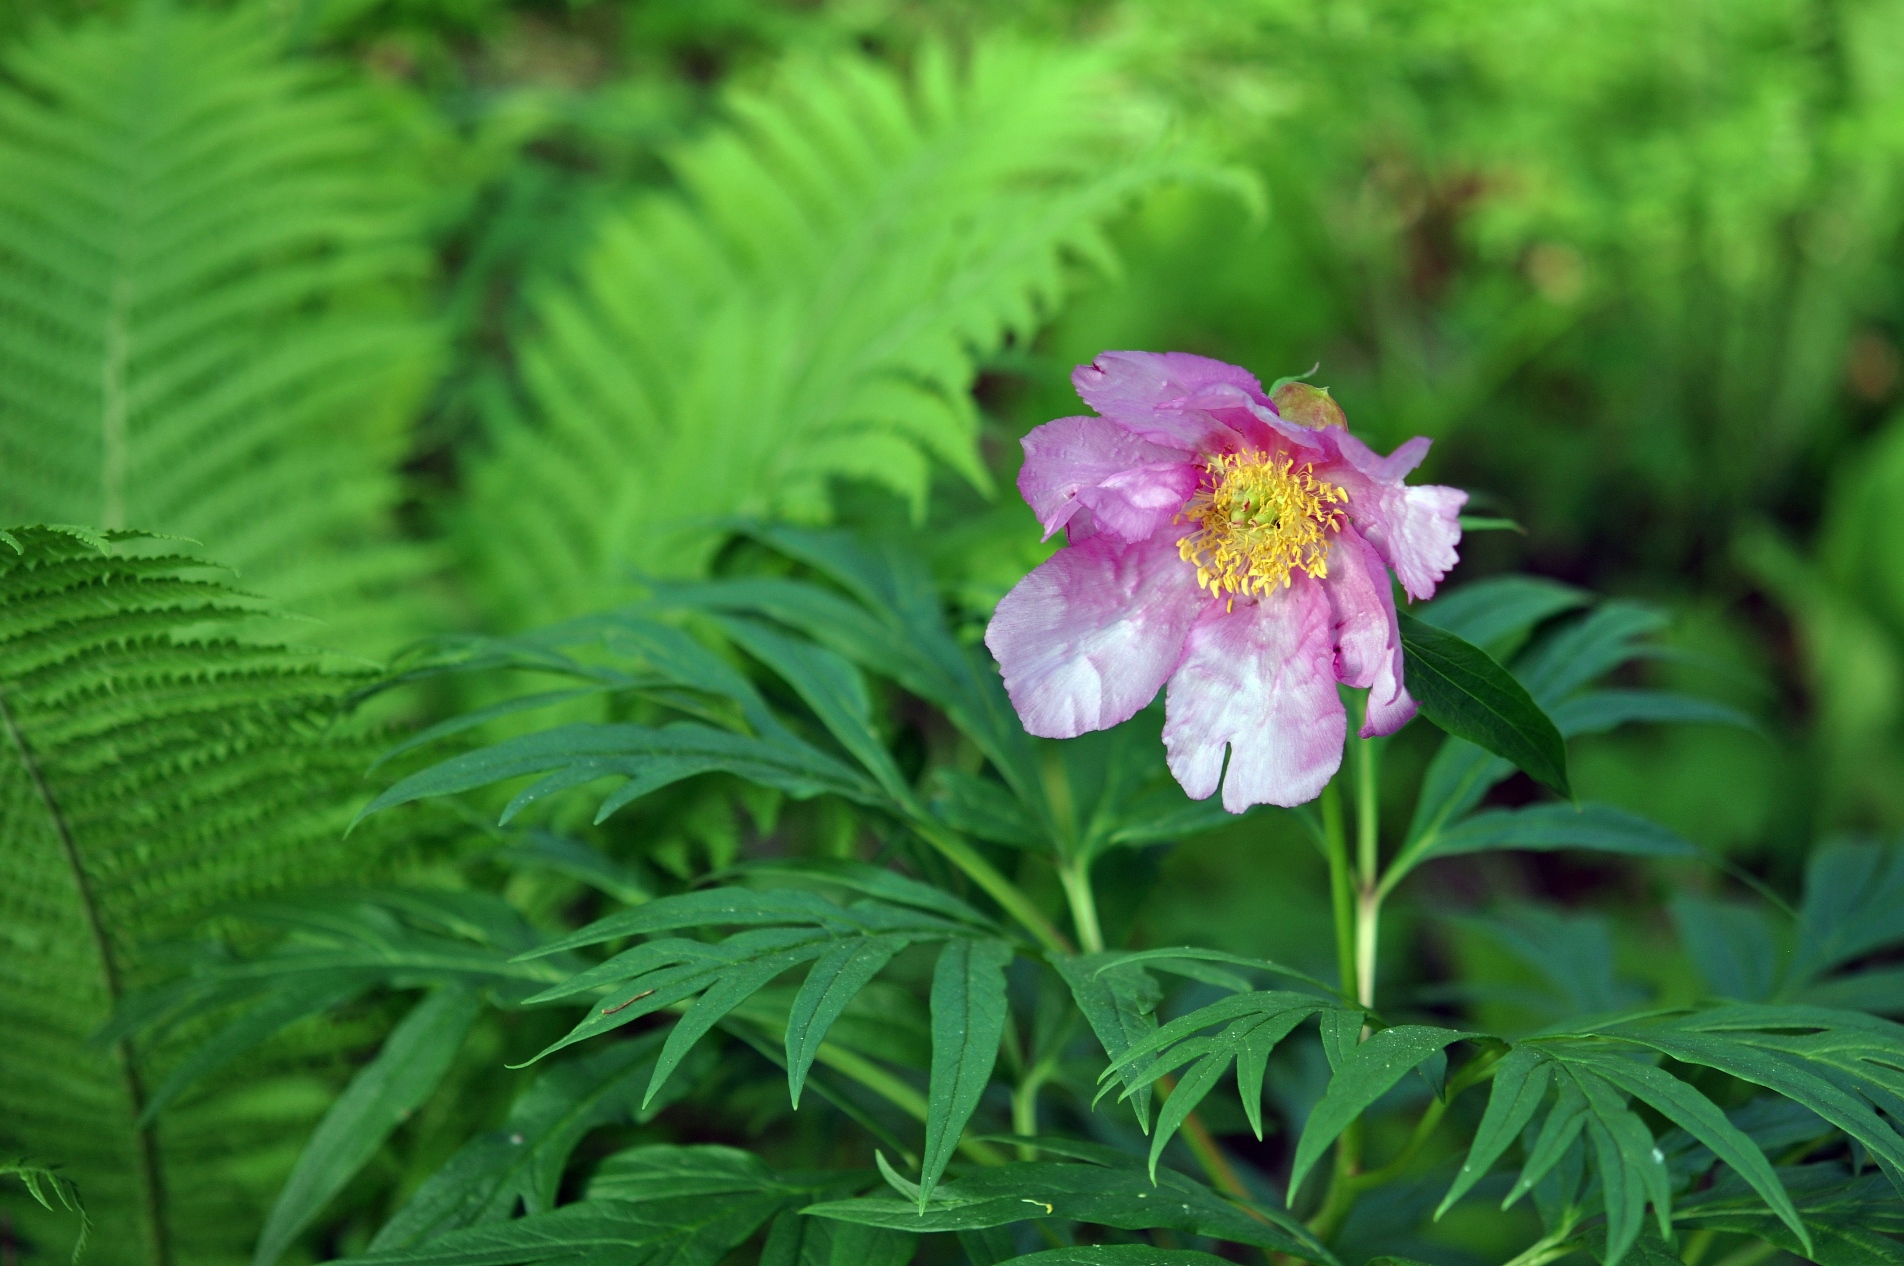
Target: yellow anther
1261,519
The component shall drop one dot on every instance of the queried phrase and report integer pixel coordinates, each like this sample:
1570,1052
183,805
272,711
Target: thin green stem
957,850
1368,905
1341,887
1368,821
897,1093
1075,875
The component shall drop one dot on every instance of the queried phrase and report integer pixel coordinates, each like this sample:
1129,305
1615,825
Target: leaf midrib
159,1249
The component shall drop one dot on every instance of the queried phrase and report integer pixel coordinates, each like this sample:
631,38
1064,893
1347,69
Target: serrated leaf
834,981
1520,1084
1363,1076
1465,692
382,1094
968,1019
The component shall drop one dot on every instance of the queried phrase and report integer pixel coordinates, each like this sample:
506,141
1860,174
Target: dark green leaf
1701,1118
382,1094
1547,827
1520,1083
1462,690
1558,1133
1361,1077
1117,1255
968,1019
984,809
1632,1169
1734,947
683,1231
1120,1005
797,1240
839,975
524,1160
1119,1196
1598,711
732,987
1497,612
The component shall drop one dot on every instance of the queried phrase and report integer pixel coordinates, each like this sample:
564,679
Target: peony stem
1341,887
959,851
1368,906
1075,875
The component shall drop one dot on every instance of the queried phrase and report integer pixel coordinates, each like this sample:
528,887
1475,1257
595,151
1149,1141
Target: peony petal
1089,637
1135,486
1260,679
1390,469
1175,398
1414,529
1419,529
1368,642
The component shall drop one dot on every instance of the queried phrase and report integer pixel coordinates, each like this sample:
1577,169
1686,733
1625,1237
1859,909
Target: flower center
1259,519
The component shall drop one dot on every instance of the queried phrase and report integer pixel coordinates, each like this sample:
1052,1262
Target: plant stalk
1075,875
1010,897
1341,888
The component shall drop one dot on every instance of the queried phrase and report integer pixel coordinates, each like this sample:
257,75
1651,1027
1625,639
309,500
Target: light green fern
208,274
146,774
810,304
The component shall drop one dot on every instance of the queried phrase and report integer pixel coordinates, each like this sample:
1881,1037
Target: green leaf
1548,827
1557,666
662,1171
1120,1005
39,1180
1632,1169
1558,1133
280,1008
1116,1194
796,1240
1734,947
1598,711
524,1161
1520,1083
1117,1255
1702,1119
568,856
1854,904
1497,612
682,1231
1362,1077
379,1098
839,975
1462,690
835,691
968,1019
1182,1101
874,881
645,759
732,987
984,809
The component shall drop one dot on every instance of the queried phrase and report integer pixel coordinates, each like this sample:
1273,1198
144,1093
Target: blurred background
458,314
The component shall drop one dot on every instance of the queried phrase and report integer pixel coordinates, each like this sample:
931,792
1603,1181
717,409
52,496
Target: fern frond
810,305
146,774
208,271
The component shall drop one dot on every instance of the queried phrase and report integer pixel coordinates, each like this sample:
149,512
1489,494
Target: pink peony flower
1239,553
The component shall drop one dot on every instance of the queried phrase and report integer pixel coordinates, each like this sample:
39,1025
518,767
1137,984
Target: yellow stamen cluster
1260,519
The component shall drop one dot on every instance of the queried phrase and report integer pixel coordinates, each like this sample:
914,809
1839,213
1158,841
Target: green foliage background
428,316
